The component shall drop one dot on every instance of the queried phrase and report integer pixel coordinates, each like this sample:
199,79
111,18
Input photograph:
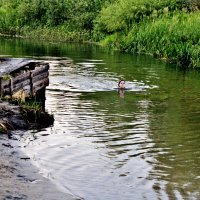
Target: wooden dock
23,78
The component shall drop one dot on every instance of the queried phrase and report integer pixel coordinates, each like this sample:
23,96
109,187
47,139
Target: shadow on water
109,145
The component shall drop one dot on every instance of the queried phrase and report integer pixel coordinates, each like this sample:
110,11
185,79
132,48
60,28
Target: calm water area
104,145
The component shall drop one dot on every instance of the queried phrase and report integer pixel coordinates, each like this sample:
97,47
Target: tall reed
175,38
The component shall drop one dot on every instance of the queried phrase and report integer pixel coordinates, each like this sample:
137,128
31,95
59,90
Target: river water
105,145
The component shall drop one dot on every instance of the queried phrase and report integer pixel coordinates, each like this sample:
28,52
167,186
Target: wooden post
41,97
31,85
11,86
1,91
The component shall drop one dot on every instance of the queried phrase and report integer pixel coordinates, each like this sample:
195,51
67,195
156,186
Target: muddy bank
20,180
14,117
11,118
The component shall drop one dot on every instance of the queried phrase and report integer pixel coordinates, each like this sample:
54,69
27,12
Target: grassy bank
59,34
174,38
166,29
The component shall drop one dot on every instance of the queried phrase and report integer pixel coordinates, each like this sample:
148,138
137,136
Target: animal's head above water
121,84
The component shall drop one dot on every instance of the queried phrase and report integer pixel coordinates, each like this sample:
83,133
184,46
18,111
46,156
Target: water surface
142,144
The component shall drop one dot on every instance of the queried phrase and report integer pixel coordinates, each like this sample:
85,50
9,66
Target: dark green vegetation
168,29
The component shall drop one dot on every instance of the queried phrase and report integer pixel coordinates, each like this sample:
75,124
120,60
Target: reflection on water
96,138
142,146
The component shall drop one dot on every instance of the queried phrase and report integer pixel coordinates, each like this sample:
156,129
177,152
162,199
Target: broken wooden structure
23,78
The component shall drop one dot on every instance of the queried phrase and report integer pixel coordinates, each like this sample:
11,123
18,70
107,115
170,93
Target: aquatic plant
32,105
34,112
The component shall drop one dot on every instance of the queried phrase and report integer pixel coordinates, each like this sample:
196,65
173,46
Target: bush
129,12
165,38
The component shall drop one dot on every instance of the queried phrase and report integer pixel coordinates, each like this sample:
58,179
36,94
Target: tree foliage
129,12
124,24
77,14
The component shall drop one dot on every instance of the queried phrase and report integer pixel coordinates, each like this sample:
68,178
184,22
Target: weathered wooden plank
7,66
21,85
8,87
25,77
22,93
40,70
40,84
27,90
1,93
6,91
22,77
5,84
13,65
40,76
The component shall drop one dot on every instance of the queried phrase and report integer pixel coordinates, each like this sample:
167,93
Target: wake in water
96,138
85,77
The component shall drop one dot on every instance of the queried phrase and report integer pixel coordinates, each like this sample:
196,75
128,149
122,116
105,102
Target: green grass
174,38
60,33
167,29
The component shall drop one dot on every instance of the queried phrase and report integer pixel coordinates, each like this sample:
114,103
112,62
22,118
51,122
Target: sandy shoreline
21,180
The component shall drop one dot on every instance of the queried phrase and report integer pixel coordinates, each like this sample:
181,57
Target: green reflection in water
169,113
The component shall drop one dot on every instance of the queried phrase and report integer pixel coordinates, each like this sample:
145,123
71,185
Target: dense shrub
165,28
175,38
129,12
78,14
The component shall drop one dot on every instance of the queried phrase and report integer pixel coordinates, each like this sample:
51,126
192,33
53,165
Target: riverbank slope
20,179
